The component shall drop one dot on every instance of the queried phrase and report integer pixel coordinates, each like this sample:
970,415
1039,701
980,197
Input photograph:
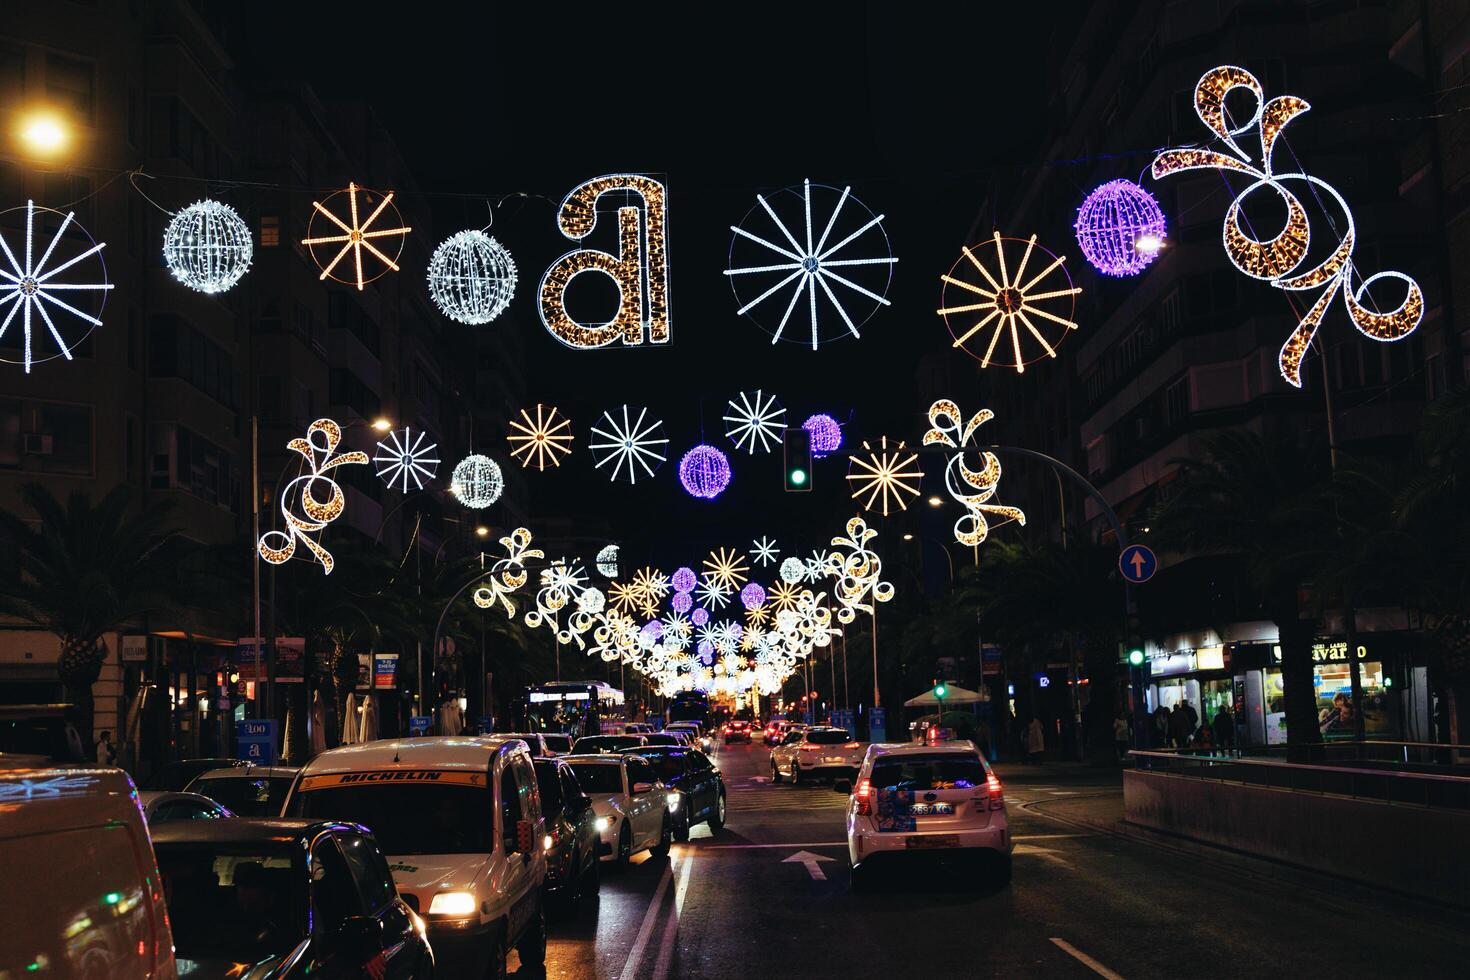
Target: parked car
680,736
632,806
460,821
39,736
80,899
247,791
164,807
535,740
572,843
286,898
812,752
737,731
701,739
698,783
556,743
172,777
663,738
939,801
605,743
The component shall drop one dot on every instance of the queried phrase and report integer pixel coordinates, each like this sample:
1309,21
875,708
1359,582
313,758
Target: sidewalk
1069,790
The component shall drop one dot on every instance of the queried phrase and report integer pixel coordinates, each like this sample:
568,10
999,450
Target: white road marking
650,916
809,860
1085,960
1062,792
671,931
1048,836
746,847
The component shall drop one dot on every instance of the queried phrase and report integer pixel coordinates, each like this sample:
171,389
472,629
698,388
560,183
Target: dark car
662,738
290,898
249,791
593,744
700,786
572,866
557,744
737,731
173,777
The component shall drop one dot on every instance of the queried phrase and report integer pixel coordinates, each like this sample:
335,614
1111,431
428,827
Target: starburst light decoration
858,571
1015,304
31,286
1120,228
704,472
971,489
826,433
810,265
793,570
405,456
540,441
477,481
764,551
783,595
637,444
1277,259
471,278
755,424
652,584
640,268
725,566
818,566
357,236
607,561
712,595
508,574
885,475
304,511
624,597
207,246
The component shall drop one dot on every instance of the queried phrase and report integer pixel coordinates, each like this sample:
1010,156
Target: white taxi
460,821
811,752
926,800
634,810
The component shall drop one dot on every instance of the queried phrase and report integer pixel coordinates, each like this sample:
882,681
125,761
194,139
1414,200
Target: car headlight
453,903
673,801
603,823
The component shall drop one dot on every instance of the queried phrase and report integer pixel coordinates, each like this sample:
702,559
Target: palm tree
84,571
1267,504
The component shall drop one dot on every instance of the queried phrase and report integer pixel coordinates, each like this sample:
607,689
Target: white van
460,821
82,887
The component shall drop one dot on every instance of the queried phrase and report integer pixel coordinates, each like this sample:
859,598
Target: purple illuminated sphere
704,471
706,649
681,602
653,628
684,579
1120,227
699,617
826,434
753,596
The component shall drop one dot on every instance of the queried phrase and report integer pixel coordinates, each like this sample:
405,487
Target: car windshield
939,771
599,777
606,743
828,736
240,902
668,763
408,817
558,743
660,739
246,796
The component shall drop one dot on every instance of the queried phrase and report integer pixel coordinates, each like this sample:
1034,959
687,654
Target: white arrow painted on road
808,860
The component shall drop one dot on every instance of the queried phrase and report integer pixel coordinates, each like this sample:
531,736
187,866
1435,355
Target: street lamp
936,501
44,133
382,424
482,531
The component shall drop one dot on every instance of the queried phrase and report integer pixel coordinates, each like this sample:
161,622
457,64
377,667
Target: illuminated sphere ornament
681,602
704,471
607,561
793,571
684,579
826,434
477,481
699,617
207,246
471,278
1120,228
753,596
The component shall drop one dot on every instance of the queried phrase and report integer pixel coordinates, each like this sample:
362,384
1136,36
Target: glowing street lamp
44,133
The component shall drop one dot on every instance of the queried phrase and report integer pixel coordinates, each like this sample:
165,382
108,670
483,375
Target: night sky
926,113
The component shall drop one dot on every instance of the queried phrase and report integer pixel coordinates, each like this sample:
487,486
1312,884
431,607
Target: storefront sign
134,649
1163,664
1209,658
385,671
1326,652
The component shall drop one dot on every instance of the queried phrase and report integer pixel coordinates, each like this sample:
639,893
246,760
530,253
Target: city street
1083,902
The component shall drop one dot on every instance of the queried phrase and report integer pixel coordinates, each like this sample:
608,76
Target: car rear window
606,743
831,736
558,743
599,777
549,783
246,796
947,771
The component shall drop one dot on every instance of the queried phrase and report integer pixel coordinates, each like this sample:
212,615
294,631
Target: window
178,350
599,777
268,402
344,313
829,736
369,870
548,784
66,439
12,72
510,808
1169,312
929,772
346,388
69,83
409,817
270,231
181,459
334,895
640,772
270,317
1176,401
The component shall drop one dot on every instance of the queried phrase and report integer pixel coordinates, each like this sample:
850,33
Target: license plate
931,809
931,840
839,760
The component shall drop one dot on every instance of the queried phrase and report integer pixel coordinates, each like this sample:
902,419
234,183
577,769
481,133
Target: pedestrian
1161,727
1120,735
1179,727
1224,727
1191,714
106,751
1035,741
1205,739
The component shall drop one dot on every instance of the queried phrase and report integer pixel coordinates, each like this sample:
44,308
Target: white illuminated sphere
471,277
477,481
207,246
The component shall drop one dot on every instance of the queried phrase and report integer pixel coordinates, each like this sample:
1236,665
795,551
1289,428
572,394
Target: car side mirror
842,785
359,938
640,788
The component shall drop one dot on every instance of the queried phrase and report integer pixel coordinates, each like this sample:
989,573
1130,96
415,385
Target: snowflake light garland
640,269
725,566
793,570
471,278
31,287
783,595
356,236
806,267
1120,228
1011,301
407,458
477,481
542,440
763,550
207,246
712,595
826,434
700,616
1277,259
638,444
319,450
885,475
704,472
755,425
971,489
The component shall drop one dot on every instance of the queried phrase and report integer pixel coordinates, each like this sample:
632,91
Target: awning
952,695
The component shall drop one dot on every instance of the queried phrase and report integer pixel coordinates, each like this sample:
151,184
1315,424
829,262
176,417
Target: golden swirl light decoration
509,573
971,489
858,572
1276,260
319,449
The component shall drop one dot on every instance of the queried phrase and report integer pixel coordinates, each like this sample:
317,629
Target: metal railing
1383,785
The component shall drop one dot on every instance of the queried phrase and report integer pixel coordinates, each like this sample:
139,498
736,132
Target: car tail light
864,796
997,797
853,745
810,748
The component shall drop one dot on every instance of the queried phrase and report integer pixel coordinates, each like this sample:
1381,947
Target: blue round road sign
1138,563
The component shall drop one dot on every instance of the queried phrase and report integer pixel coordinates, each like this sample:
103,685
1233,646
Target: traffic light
940,691
1135,656
797,446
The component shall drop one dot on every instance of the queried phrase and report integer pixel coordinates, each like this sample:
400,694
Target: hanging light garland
472,278
319,450
356,236
704,472
541,441
626,442
756,422
1120,228
407,458
207,246
826,434
971,489
885,475
477,481
31,288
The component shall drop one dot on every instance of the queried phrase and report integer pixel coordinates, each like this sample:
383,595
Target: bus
690,706
572,708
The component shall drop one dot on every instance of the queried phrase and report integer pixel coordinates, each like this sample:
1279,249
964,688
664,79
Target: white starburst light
406,456
755,423
764,551
628,442
31,287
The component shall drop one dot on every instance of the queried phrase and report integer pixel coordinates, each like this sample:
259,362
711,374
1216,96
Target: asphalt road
1084,902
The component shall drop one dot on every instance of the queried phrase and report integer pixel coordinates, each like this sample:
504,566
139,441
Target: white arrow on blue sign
1138,563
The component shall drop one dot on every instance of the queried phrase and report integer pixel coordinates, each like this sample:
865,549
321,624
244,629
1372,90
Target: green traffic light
1135,657
798,477
940,691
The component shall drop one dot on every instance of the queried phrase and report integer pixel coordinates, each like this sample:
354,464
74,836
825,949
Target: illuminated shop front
1199,677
